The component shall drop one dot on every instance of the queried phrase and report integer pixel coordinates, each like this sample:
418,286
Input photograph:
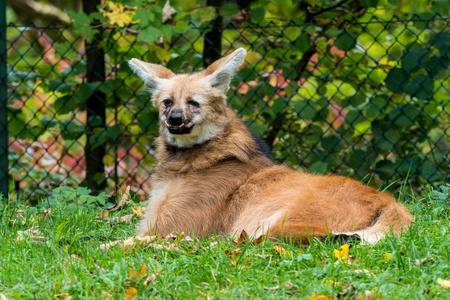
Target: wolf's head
191,106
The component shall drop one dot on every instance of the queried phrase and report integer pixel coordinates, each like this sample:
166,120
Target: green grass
31,269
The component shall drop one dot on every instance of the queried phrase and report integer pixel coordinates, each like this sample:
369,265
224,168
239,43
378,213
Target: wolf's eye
167,103
193,103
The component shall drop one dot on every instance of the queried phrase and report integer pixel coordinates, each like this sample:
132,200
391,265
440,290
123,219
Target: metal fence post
212,50
96,108
3,104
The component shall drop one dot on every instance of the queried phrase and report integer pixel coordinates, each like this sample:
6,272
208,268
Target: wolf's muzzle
176,119
178,129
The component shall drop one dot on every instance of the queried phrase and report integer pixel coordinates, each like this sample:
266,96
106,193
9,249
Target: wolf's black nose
176,119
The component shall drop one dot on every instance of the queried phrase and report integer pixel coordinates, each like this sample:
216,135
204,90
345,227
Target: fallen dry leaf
234,253
419,262
138,211
187,240
243,238
365,271
172,246
273,288
103,216
123,219
151,277
258,240
104,294
444,283
368,295
63,296
74,256
281,250
167,12
46,213
31,233
137,274
32,230
131,293
119,219
103,270
239,17
34,238
130,242
174,236
20,217
124,200
350,292
288,284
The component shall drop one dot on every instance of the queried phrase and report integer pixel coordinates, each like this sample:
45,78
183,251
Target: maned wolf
212,175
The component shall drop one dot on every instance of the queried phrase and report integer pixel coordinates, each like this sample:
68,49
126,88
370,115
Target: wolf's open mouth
178,129
174,126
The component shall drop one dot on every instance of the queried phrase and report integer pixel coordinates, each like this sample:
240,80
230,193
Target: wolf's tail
393,217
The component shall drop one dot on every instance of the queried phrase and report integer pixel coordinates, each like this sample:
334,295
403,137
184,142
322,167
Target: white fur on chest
156,198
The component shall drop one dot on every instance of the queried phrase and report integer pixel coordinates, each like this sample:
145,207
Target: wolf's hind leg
300,233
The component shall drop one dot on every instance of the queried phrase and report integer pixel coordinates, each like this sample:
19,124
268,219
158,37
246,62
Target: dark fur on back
263,148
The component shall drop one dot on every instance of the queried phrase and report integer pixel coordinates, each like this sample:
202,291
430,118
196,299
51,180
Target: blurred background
358,88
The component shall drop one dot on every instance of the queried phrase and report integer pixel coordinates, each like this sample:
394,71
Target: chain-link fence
364,99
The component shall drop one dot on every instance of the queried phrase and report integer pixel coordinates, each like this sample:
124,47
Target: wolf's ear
152,75
220,73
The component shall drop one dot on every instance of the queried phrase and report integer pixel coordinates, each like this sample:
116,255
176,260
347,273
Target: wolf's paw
342,239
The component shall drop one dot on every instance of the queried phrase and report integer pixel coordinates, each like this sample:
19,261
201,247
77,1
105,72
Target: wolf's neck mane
235,142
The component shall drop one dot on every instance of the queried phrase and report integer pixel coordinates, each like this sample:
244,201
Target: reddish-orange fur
225,184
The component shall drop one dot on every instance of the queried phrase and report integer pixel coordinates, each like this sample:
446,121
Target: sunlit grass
61,265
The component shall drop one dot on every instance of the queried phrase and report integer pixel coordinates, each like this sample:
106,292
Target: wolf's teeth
168,125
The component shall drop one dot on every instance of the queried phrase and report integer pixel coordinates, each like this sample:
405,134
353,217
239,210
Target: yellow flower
342,253
118,15
444,283
387,255
330,281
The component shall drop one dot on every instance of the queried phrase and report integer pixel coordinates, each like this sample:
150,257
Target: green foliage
351,89
82,24
345,41
361,103
71,199
258,14
441,196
